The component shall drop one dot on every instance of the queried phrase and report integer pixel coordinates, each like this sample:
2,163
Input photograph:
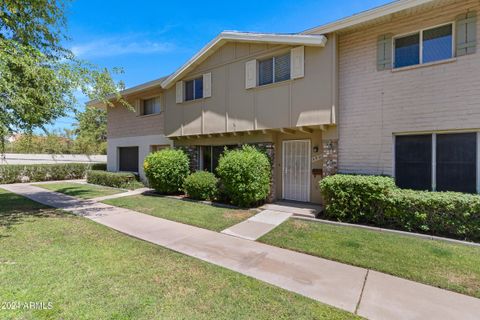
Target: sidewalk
367,293
258,225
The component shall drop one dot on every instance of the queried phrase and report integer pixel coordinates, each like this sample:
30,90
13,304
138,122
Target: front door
296,170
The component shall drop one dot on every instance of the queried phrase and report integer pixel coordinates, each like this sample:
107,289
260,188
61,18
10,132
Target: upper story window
194,89
274,69
426,46
151,106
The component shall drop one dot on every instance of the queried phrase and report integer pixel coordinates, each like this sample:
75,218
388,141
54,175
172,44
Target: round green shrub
166,170
245,175
201,185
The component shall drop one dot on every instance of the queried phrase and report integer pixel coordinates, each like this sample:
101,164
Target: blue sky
150,39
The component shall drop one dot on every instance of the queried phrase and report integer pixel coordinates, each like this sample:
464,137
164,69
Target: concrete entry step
258,225
295,208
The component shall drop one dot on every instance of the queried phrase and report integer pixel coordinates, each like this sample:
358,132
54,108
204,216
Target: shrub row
123,180
244,176
44,172
377,201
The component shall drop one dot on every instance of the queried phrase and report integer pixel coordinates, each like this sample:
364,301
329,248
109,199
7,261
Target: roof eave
366,16
133,90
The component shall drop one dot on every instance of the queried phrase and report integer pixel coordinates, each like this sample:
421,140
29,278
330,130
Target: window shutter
251,74
207,85
384,52
179,92
297,62
466,33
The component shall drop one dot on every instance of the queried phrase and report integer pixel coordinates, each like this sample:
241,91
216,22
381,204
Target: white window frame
273,69
185,89
420,32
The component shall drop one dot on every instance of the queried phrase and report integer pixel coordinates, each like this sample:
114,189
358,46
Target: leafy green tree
38,75
91,131
55,142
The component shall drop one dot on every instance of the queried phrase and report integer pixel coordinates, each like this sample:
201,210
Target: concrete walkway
258,225
123,194
367,293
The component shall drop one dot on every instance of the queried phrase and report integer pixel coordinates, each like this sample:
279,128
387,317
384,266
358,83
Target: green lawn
84,191
445,265
189,212
88,271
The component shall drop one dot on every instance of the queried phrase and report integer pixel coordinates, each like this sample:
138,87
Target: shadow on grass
182,197
74,191
14,209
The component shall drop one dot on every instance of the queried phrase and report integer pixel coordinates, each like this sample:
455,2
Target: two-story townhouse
277,92
393,90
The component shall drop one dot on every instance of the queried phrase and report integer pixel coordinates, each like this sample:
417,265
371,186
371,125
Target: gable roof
132,90
311,37
368,16
234,36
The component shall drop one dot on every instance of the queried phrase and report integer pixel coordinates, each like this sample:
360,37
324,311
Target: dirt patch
469,281
238,214
299,225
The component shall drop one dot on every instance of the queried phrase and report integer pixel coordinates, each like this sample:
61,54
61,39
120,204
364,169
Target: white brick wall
374,105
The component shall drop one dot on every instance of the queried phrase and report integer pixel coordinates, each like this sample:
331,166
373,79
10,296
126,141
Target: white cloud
116,46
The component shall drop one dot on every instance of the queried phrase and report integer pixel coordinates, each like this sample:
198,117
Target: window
151,106
209,156
274,69
423,47
437,44
194,89
456,162
413,162
265,72
454,168
407,51
128,159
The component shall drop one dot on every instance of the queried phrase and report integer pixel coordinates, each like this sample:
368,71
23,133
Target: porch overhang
288,131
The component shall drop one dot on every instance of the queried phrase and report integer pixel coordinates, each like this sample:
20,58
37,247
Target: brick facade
375,105
330,157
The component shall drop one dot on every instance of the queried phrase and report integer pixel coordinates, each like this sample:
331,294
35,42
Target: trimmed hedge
201,185
166,170
377,201
17,173
245,175
123,180
99,166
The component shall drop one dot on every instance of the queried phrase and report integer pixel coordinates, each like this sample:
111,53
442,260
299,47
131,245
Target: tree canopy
38,75
91,131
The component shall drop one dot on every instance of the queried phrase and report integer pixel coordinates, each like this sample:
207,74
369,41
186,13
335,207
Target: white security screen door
296,170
